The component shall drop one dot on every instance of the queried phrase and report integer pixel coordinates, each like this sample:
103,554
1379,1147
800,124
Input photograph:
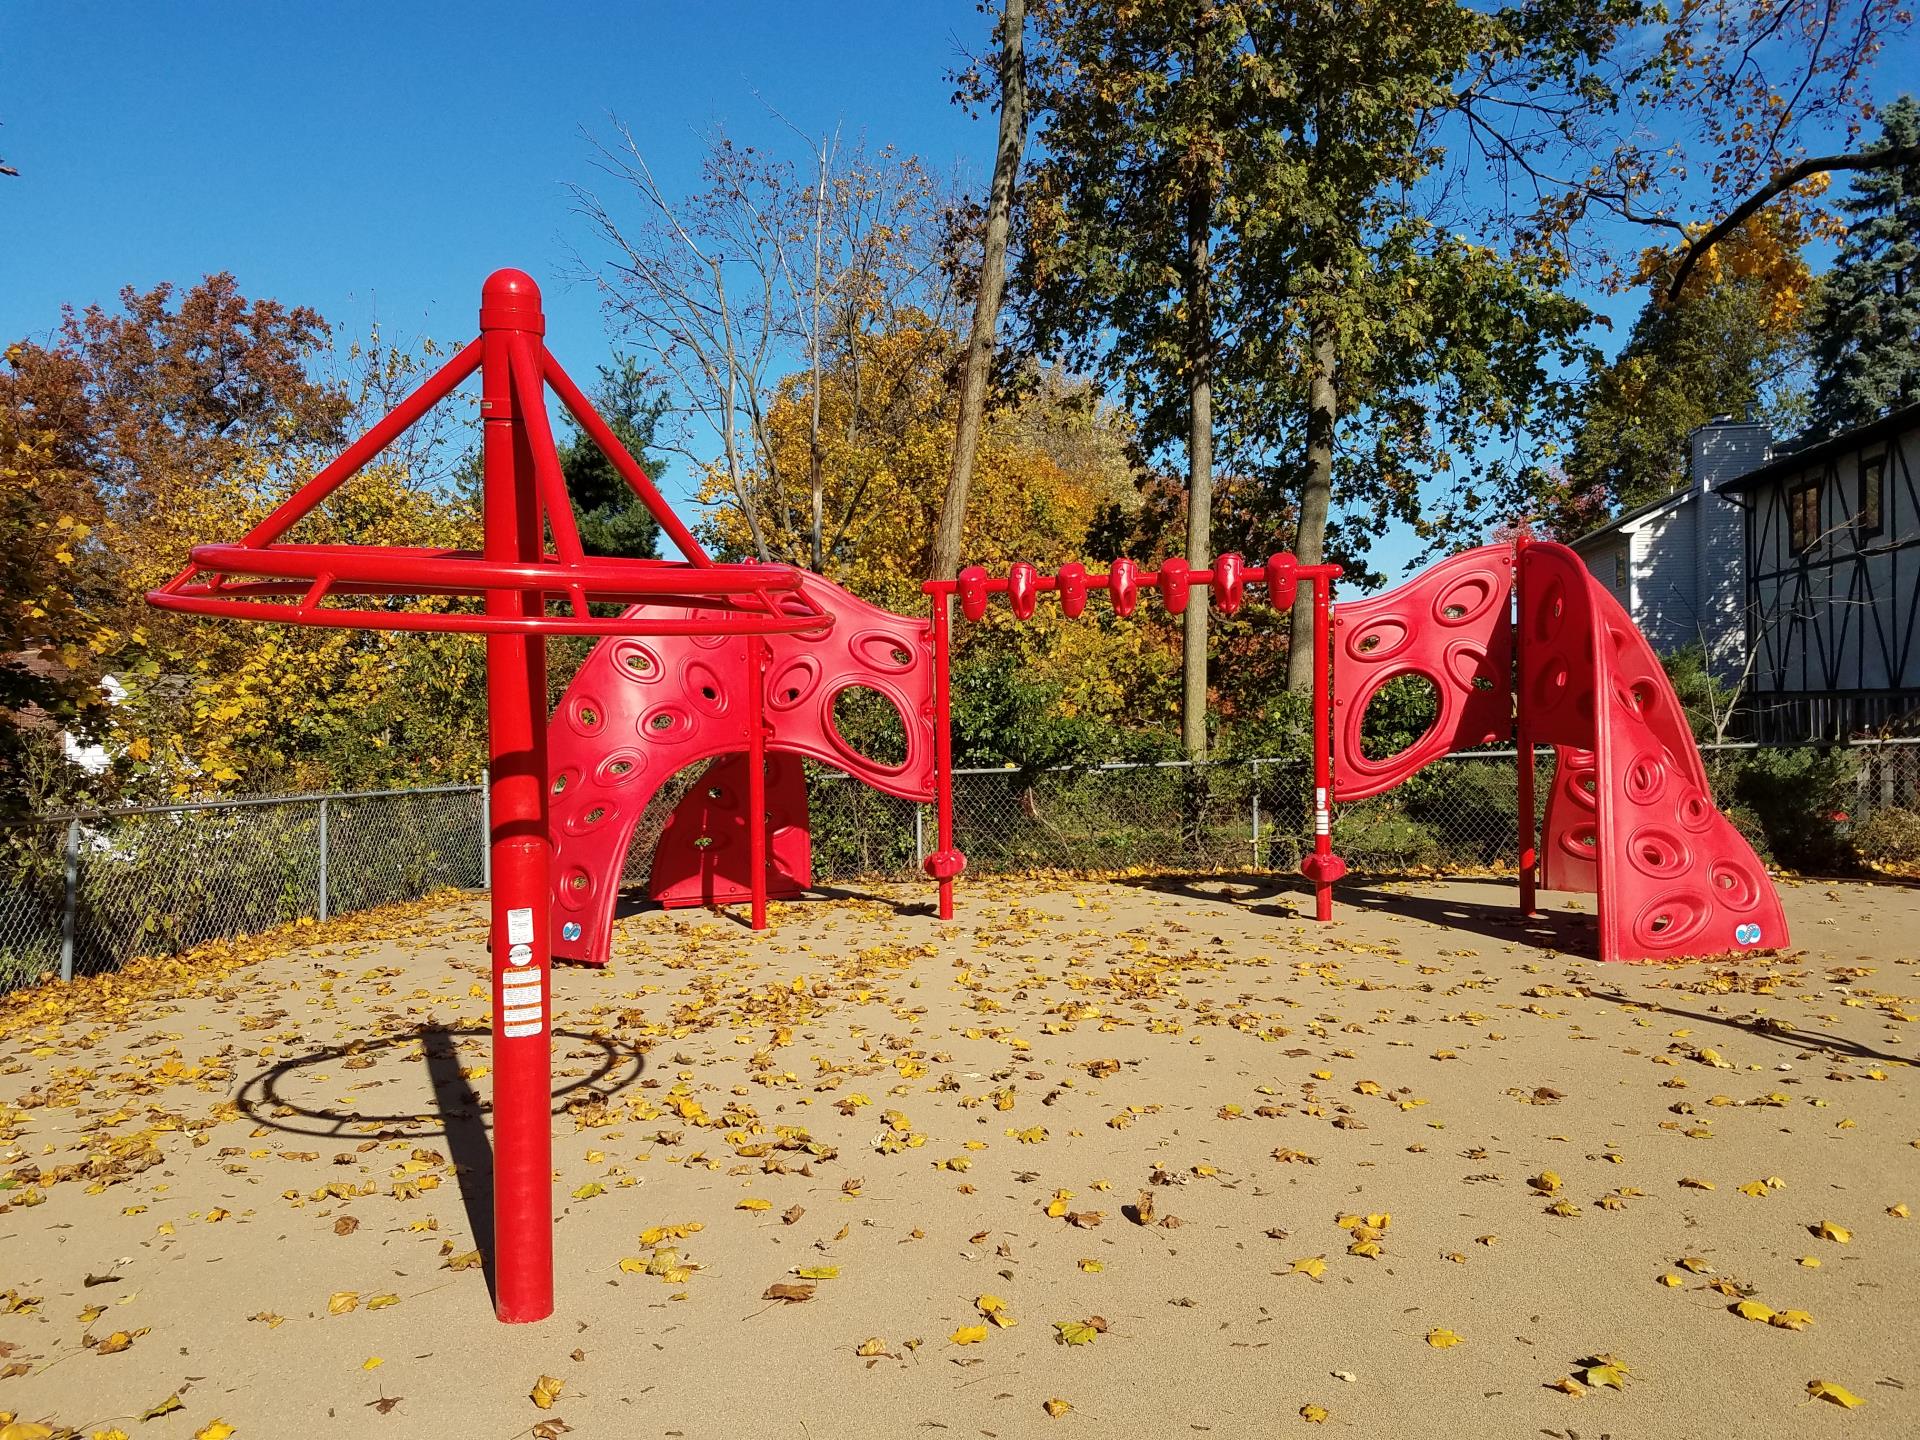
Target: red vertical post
518,844
1529,857
1322,754
943,743
757,777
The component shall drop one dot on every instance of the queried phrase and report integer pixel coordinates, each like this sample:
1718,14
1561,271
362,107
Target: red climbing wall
1630,813
702,855
1450,624
642,709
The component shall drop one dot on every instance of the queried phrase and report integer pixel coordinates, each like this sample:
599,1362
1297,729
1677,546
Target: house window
1620,571
1803,517
1873,484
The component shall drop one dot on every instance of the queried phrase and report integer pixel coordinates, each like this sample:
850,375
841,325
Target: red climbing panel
1451,625
1630,814
643,708
702,855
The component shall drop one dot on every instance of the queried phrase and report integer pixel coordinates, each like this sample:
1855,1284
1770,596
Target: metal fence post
1255,788
323,860
486,837
919,835
70,910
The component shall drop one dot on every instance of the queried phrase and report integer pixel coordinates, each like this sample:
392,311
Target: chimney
1724,449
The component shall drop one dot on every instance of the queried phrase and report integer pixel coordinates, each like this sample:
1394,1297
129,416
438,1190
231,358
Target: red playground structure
742,666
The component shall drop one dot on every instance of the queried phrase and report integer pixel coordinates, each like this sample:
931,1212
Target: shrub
1385,840
1800,799
1889,837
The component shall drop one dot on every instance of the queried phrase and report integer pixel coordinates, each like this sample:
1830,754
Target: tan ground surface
1424,1060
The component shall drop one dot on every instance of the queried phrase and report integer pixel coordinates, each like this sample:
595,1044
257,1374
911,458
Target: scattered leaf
1838,1394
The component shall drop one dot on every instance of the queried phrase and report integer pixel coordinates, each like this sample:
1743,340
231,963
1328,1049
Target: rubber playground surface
1141,1157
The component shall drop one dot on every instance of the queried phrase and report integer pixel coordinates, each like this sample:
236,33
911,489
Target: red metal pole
602,435
1523,745
1324,874
943,744
516,720
757,777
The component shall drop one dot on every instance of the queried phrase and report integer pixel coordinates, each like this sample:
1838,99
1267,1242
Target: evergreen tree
611,519
1867,333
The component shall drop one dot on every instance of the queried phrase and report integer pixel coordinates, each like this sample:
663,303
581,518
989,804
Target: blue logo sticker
571,931
1747,934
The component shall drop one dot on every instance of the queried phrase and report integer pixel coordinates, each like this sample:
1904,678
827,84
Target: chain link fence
86,892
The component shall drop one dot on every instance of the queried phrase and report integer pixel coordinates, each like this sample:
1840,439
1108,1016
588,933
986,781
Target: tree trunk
1193,654
1316,498
945,559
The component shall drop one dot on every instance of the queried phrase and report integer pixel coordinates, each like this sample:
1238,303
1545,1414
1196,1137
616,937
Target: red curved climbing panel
1630,814
1452,625
643,708
702,857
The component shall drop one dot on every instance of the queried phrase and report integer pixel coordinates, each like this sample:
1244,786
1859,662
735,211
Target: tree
1867,329
993,274
887,413
1141,150
187,416
610,517
1733,343
1317,307
723,292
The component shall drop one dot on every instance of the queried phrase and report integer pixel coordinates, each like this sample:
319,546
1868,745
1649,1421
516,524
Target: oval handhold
1071,585
1023,589
1174,584
1123,583
1281,579
1229,582
973,591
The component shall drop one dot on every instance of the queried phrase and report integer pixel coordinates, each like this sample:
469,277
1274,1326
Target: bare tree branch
1890,157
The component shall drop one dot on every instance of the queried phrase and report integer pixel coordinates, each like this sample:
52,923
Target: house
1832,578
1675,564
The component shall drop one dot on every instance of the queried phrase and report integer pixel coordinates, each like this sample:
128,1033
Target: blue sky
380,160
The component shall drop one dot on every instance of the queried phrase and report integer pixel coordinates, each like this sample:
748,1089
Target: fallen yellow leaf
1442,1339
545,1391
1838,1394
969,1335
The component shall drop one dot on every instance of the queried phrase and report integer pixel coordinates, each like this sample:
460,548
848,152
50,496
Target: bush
1889,837
1384,839
1800,800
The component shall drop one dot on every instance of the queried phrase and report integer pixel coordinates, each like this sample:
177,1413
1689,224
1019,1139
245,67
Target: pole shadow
459,1117
1274,896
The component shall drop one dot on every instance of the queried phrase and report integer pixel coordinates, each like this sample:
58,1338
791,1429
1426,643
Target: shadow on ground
1498,916
1761,1027
635,901
459,1114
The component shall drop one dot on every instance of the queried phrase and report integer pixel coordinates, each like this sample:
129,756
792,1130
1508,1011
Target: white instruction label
520,926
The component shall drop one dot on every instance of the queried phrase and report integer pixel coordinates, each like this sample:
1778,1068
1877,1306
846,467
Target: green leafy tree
1867,331
1241,215
1734,342
610,516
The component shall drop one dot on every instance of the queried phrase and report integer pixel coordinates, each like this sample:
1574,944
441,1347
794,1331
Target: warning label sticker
520,926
